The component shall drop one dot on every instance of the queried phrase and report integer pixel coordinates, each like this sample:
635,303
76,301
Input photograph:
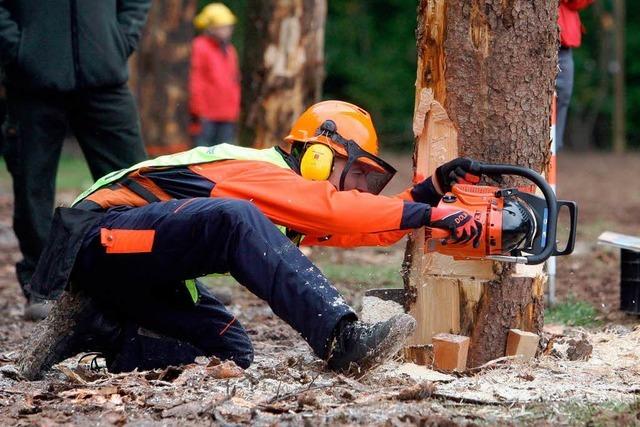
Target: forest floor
288,385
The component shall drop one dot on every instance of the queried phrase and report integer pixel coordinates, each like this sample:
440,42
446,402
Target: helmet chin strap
345,171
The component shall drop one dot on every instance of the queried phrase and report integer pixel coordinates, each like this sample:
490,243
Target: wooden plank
618,240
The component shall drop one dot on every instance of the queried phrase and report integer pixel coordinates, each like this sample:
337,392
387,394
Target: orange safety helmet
352,122
348,130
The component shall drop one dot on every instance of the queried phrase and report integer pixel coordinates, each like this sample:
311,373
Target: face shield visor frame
378,173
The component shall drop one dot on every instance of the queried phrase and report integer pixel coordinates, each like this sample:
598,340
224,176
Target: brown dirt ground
288,386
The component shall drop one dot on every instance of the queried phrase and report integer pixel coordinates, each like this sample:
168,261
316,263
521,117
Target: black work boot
89,329
358,347
145,350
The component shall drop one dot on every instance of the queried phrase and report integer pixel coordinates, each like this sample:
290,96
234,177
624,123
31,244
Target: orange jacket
316,209
569,21
214,81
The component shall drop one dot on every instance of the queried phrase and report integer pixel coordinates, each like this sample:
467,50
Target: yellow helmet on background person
331,128
214,15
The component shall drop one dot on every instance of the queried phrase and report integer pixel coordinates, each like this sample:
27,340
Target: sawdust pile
376,310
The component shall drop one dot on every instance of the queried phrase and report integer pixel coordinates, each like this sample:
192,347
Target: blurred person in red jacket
570,37
214,84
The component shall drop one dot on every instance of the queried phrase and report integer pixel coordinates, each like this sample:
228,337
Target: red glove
459,222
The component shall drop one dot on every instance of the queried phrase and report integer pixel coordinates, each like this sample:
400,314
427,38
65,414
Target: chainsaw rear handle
549,249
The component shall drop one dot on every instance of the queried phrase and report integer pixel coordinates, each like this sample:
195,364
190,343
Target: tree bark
283,66
51,336
160,73
492,65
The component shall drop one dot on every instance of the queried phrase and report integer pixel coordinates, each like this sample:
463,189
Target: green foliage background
371,60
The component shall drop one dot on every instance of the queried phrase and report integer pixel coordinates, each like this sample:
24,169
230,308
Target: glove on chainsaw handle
457,171
457,225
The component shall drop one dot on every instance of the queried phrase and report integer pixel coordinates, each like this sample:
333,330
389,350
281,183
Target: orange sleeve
385,238
310,207
405,195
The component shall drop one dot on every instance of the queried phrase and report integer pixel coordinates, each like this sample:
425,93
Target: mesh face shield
376,171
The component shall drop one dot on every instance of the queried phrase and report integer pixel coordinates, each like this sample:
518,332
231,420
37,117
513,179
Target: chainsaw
517,225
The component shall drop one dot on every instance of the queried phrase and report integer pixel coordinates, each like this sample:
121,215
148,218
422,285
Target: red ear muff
316,162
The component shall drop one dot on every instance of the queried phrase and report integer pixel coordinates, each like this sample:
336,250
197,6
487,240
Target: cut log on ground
43,347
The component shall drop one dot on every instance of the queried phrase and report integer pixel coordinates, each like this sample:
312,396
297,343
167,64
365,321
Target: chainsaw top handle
479,168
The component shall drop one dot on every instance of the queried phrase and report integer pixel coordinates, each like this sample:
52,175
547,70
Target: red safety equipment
348,130
352,122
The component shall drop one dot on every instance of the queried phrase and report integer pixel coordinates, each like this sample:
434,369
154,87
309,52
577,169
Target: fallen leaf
170,373
307,399
228,369
418,391
71,375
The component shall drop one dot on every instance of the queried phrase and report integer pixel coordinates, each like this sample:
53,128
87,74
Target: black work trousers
106,125
192,238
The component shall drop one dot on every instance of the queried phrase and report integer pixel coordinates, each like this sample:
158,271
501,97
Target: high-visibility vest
186,158
194,156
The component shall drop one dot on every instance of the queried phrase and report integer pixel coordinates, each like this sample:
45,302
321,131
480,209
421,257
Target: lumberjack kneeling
136,241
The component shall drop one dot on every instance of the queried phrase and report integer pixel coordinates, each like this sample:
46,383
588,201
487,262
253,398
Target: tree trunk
160,72
283,66
492,65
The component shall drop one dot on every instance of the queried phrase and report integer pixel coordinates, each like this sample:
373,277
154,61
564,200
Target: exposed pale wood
436,263
283,67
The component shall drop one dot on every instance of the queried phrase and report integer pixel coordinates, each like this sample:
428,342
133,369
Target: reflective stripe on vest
194,156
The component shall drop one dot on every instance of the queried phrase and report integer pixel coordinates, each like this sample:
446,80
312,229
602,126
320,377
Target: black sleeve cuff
425,192
415,215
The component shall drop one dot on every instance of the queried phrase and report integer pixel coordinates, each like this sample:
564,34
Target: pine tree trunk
491,64
160,73
283,66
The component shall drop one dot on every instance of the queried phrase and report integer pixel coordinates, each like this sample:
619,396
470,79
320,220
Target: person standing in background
570,37
66,66
214,82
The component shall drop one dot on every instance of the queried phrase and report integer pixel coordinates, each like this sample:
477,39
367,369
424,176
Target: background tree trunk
159,75
492,65
283,66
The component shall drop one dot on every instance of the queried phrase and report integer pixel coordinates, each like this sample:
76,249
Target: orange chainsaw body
486,208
